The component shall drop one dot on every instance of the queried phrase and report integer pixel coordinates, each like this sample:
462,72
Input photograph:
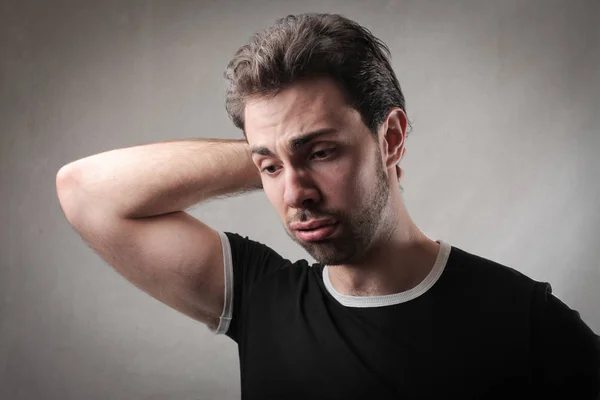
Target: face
334,170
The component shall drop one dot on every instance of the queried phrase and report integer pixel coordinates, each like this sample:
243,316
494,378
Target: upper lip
314,224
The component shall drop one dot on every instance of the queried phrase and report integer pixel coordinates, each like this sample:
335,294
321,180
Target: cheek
344,183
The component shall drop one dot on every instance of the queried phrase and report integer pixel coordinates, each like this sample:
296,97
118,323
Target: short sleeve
565,351
246,262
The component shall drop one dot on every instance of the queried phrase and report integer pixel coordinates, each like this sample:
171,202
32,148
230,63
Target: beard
356,228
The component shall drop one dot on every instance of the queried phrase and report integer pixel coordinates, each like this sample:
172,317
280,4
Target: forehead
303,107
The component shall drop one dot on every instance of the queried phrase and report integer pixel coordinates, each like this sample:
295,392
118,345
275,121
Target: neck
397,260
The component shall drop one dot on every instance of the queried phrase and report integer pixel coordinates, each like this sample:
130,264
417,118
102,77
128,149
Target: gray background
502,161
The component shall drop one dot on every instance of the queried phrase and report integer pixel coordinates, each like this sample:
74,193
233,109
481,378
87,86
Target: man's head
323,113
300,47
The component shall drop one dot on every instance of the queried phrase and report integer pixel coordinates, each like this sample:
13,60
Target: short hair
305,46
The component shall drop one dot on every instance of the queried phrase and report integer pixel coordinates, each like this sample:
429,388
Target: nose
300,191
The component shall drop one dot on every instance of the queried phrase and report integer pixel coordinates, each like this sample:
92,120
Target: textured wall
502,161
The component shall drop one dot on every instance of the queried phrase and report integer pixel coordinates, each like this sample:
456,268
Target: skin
346,175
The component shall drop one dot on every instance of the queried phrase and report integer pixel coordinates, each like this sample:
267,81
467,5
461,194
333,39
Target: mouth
319,233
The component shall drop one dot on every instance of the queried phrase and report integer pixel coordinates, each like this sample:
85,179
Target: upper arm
566,351
175,258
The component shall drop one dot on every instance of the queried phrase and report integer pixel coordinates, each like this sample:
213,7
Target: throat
384,278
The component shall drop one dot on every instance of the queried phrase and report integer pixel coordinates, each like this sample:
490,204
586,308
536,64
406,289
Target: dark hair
302,46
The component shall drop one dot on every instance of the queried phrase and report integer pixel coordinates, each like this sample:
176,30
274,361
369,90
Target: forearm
158,178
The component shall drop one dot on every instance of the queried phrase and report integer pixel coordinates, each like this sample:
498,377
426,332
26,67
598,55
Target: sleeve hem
226,316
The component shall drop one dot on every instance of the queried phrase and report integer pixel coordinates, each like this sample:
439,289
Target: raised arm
128,205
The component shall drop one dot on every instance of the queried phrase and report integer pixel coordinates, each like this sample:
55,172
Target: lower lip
314,235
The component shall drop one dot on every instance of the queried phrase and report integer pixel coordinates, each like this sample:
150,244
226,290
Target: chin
328,253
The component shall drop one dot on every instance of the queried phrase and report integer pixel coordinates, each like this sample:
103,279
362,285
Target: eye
318,155
321,154
269,169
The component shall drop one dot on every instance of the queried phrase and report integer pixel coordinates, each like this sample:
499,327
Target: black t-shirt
472,329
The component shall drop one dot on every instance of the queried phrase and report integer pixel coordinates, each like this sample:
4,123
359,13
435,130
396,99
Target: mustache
305,216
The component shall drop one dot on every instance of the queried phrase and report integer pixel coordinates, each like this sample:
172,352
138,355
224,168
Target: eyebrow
295,143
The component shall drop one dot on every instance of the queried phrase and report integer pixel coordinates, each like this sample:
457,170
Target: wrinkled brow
295,143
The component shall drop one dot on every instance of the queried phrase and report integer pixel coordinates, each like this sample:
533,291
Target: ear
400,171
393,137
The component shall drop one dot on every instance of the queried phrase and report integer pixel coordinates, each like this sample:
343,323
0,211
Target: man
385,312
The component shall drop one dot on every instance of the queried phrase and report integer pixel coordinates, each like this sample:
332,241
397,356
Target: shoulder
244,249
254,258
565,351
475,273
255,275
